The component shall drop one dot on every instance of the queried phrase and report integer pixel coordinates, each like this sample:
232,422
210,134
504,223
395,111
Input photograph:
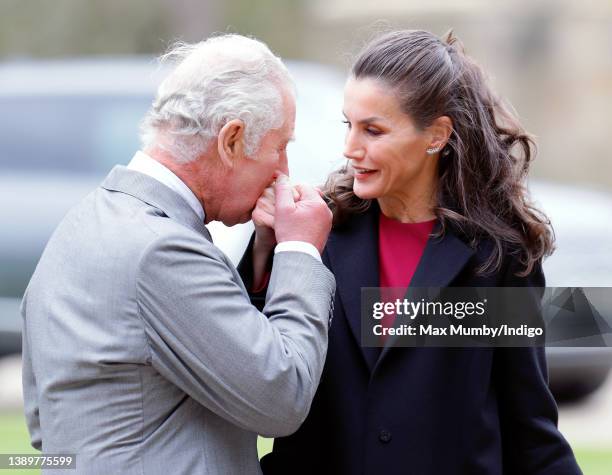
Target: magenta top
400,247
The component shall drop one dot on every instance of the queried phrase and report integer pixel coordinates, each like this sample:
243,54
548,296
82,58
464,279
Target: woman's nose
352,149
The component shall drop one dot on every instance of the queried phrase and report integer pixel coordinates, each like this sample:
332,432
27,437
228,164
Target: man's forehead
289,126
289,132
286,134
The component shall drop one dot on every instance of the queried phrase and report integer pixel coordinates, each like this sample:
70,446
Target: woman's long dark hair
482,170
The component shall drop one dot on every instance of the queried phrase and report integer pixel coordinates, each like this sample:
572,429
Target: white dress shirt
142,163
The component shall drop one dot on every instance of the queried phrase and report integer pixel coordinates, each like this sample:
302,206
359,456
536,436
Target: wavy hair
481,188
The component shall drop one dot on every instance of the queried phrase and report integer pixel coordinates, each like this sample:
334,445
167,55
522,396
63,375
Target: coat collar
353,254
156,194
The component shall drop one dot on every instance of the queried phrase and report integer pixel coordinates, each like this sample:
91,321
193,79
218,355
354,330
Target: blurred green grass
14,438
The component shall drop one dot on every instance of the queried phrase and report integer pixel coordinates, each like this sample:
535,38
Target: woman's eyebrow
367,120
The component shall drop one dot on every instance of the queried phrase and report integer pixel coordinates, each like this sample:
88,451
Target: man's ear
440,131
230,142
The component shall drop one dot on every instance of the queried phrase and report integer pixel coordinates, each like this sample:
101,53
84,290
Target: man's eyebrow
367,120
284,143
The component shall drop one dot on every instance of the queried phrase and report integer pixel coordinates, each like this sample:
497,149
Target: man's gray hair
223,78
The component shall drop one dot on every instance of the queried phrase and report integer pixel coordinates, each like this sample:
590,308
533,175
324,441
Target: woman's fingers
262,218
263,214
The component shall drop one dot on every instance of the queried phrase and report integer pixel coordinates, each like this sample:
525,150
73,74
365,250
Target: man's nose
283,166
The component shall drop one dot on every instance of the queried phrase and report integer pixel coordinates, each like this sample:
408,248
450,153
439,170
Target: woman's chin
365,193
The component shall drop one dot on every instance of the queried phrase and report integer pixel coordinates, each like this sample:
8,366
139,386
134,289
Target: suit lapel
155,194
353,254
442,260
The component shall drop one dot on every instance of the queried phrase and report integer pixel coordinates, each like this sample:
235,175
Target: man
142,353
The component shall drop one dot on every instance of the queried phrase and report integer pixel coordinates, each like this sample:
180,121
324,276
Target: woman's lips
364,173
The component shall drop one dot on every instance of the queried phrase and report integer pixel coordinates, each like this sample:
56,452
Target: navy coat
423,411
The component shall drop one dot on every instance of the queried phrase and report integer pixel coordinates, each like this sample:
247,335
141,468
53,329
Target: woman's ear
230,142
440,131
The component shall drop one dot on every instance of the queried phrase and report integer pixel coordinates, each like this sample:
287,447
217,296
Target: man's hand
306,219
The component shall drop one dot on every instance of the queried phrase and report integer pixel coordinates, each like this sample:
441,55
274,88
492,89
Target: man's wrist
298,246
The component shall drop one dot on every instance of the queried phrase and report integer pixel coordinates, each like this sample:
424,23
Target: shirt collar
142,163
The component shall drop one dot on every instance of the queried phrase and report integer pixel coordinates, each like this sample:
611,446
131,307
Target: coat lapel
442,260
353,254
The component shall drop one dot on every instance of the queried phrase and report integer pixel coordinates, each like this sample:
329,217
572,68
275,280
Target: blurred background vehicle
582,220
65,123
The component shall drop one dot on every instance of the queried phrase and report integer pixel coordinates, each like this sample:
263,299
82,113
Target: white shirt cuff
298,246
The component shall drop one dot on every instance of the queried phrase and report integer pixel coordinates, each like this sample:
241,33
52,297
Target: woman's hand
263,218
265,238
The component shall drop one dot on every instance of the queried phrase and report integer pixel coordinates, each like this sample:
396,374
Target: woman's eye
368,130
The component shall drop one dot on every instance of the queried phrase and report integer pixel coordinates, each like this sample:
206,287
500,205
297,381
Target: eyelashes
369,130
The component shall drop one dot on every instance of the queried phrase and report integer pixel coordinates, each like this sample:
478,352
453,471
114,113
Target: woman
432,196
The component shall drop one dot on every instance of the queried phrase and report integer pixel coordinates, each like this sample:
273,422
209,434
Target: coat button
384,436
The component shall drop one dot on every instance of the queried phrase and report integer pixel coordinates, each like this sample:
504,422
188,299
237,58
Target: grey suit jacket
141,351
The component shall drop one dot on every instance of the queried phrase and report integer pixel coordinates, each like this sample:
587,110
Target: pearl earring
432,150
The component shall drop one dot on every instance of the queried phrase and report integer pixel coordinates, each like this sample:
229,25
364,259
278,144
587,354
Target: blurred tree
279,23
76,27
41,28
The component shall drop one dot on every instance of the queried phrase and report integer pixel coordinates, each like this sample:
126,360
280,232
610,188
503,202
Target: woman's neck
408,209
